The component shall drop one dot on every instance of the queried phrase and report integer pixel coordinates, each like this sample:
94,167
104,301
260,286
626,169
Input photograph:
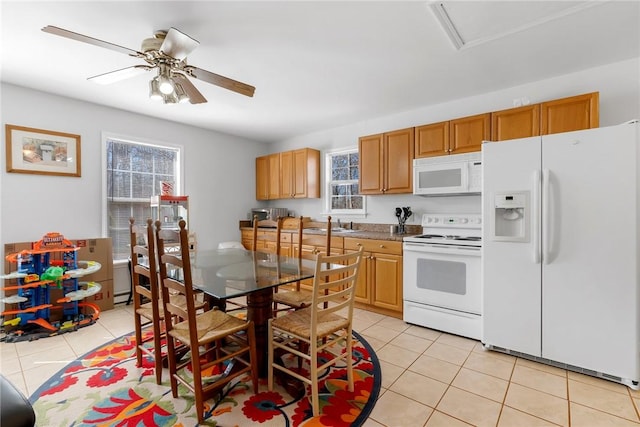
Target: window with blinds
342,174
133,174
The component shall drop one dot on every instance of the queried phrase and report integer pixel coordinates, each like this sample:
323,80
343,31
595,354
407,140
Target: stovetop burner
450,229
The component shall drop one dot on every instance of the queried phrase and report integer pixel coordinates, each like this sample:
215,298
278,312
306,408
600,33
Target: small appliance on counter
268,213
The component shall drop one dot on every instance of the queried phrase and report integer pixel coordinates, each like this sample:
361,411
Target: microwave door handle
466,173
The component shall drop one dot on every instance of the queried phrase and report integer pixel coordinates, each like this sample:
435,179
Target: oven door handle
441,249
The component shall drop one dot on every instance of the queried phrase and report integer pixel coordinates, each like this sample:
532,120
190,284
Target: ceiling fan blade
178,45
195,97
123,73
218,80
90,40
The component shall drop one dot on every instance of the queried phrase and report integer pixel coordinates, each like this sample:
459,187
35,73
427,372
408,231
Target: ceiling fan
167,52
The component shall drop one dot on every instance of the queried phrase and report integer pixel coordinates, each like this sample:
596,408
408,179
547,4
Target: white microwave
448,175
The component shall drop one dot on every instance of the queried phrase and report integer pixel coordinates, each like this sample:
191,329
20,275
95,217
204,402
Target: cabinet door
247,239
386,278
432,140
299,175
274,176
467,133
286,174
569,114
363,285
262,178
521,122
371,164
398,161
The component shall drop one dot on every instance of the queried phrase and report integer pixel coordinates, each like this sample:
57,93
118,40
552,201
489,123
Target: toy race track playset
45,294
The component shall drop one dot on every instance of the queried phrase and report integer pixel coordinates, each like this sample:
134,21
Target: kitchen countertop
360,231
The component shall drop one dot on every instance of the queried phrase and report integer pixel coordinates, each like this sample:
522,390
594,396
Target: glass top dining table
230,273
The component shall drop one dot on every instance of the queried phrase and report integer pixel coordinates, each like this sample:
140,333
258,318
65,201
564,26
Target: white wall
219,171
618,84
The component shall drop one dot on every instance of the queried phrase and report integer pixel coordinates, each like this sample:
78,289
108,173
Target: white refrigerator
561,250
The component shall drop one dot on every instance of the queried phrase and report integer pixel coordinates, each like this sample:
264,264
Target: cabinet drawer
370,245
320,240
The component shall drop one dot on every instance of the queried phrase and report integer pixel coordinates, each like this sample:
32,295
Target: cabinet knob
382,246
358,244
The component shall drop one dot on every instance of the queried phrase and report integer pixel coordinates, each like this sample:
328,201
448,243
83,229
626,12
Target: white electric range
442,276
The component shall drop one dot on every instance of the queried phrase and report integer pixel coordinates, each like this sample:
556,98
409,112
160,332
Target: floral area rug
105,388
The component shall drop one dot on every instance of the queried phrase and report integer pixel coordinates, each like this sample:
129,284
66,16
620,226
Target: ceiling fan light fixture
170,98
154,90
166,85
181,94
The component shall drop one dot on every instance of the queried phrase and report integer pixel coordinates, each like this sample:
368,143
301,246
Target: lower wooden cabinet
379,286
380,281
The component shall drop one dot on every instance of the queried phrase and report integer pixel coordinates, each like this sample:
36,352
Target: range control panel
452,220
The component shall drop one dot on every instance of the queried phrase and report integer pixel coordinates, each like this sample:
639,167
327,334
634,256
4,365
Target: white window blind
133,174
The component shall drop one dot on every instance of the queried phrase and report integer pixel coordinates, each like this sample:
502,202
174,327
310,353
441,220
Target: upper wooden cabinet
268,177
300,174
432,140
569,114
457,136
467,133
386,162
262,178
291,174
560,115
515,123
371,165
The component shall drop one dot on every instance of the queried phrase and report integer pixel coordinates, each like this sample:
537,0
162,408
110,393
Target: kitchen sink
333,230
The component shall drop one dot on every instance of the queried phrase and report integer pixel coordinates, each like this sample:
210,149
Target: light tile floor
429,378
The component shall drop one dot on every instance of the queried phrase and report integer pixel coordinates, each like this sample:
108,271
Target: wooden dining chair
219,342
146,294
298,298
267,241
320,327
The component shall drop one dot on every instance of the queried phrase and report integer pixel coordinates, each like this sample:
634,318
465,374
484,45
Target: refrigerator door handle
535,209
545,216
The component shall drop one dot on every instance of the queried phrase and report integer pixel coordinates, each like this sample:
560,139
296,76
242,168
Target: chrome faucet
339,225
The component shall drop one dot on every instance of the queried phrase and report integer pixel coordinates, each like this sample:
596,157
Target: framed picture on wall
43,152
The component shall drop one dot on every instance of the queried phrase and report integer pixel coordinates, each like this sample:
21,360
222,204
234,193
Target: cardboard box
104,298
99,250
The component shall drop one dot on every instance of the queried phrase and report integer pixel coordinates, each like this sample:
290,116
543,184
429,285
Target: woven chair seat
211,325
213,337
146,310
299,323
293,298
307,332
